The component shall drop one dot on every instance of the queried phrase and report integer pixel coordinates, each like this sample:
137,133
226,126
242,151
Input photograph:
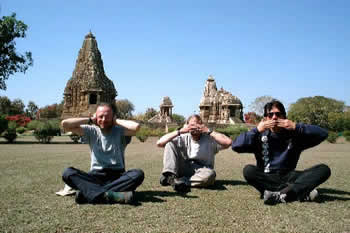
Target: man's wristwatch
90,122
178,131
209,132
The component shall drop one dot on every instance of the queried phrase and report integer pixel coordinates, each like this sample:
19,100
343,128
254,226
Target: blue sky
152,49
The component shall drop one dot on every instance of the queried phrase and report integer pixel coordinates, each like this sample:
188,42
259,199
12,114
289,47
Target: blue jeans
96,182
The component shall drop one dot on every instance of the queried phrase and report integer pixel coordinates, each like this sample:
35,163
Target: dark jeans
296,184
96,182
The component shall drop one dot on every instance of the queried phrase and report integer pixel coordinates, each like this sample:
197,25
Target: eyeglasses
278,114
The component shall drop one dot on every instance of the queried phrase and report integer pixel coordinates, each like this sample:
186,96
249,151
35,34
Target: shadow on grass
155,196
221,184
37,142
325,197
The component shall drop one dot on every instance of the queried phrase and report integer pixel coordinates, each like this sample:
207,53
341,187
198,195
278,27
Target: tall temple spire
89,84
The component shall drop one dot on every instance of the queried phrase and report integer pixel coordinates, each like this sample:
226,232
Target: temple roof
89,74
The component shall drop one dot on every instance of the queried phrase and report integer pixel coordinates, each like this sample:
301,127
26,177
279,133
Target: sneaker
119,197
79,198
312,195
66,191
273,198
182,185
166,179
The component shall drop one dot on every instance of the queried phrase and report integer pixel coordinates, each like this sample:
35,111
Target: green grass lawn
30,174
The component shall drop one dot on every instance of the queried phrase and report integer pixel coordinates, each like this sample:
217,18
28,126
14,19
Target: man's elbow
137,127
160,144
64,124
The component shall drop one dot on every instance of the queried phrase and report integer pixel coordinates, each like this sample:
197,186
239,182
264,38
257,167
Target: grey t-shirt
202,151
107,150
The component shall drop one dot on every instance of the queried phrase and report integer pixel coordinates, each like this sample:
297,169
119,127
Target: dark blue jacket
284,147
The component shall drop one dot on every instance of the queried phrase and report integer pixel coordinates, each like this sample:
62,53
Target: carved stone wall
89,84
219,106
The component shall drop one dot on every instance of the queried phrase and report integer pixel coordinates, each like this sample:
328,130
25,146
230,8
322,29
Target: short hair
112,106
277,104
198,118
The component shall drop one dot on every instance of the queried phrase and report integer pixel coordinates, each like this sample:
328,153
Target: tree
31,109
258,105
5,105
17,107
252,118
150,112
124,108
10,61
179,119
51,111
314,110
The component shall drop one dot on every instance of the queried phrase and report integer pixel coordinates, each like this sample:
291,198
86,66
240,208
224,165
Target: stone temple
89,84
165,113
219,106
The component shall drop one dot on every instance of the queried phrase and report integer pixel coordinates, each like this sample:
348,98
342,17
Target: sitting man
107,181
189,155
277,144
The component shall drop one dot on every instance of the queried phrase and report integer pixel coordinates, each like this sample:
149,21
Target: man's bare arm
131,127
73,125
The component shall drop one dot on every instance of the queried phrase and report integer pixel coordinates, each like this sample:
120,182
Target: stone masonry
89,84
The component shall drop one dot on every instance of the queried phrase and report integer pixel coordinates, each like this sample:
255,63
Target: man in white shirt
189,155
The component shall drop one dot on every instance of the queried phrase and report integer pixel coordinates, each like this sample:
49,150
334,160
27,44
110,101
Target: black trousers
296,184
96,182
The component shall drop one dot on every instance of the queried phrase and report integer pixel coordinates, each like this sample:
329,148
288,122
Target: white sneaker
312,195
66,191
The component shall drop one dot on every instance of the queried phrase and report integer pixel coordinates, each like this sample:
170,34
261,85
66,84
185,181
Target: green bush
346,134
10,134
33,124
3,123
45,131
20,130
232,131
332,137
143,133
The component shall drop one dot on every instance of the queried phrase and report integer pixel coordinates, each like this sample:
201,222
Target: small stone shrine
219,106
89,84
165,114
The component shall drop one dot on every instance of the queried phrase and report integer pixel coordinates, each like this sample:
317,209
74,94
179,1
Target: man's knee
203,177
69,171
249,172
137,175
324,170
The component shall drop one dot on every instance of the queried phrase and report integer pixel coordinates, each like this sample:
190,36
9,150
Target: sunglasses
270,114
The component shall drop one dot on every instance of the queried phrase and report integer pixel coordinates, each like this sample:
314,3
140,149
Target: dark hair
110,105
277,104
194,116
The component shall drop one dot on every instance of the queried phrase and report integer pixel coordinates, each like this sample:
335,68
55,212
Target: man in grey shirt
107,181
189,155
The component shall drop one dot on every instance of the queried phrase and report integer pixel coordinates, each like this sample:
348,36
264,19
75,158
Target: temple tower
89,84
219,106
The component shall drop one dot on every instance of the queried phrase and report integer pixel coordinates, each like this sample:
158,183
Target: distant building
165,113
219,106
89,84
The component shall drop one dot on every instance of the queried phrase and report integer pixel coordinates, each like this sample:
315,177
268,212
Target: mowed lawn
30,174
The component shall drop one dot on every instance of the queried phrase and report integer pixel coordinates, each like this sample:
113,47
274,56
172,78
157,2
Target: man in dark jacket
277,144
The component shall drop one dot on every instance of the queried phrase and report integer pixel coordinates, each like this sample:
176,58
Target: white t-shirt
202,151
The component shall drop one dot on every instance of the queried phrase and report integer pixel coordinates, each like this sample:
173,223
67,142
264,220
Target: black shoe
79,198
181,185
167,179
273,198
